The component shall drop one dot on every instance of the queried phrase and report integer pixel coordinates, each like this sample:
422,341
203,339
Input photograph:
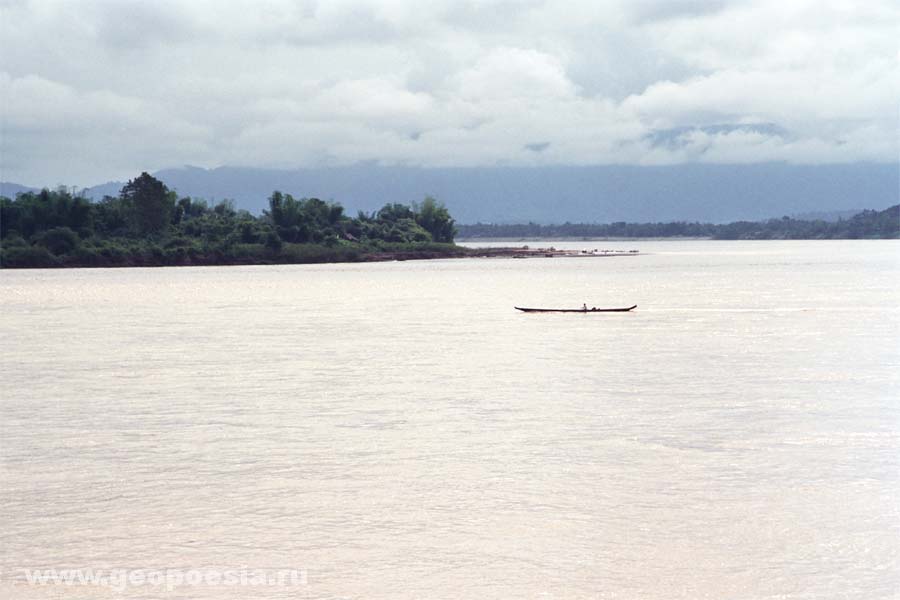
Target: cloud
513,73
649,11
93,90
92,130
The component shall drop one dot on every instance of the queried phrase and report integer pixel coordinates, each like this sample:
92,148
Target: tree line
868,224
148,224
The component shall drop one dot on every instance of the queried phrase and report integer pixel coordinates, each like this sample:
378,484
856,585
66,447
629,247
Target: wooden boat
575,310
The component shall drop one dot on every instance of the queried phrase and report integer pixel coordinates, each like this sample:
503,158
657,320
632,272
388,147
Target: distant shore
299,254
867,224
548,240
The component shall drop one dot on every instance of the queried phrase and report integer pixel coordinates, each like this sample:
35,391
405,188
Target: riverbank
544,240
31,257
151,255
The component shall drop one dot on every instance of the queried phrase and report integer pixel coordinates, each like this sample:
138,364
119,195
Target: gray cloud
648,11
680,137
96,90
132,27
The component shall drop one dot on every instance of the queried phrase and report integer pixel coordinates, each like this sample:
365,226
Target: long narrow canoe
575,310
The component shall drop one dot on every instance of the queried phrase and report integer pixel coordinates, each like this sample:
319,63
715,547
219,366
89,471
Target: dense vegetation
868,224
148,225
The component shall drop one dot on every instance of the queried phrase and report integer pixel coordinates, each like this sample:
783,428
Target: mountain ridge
689,192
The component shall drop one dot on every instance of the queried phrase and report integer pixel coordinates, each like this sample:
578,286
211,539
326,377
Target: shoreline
299,254
475,240
143,261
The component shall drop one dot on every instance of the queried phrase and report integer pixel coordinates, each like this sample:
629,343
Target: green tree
393,212
150,202
111,217
272,241
32,213
59,240
304,220
434,218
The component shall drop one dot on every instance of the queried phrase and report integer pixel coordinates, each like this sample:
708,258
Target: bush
273,241
12,240
176,256
27,257
59,240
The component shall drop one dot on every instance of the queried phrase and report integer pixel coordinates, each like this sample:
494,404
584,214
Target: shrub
27,257
59,240
273,241
12,240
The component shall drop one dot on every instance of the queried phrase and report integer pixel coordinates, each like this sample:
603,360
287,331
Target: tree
393,212
435,219
304,220
150,203
272,241
32,213
59,240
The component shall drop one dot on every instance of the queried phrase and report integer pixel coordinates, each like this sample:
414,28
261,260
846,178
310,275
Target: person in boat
584,306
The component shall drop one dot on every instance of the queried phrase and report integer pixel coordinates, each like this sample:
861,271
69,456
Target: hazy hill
602,194
828,216
10,190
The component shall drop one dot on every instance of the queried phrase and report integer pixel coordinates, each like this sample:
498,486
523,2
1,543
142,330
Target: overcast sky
94,91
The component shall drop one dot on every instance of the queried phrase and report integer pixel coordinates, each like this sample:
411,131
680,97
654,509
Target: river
397,430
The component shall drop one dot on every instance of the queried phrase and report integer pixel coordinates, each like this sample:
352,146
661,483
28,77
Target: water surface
399,431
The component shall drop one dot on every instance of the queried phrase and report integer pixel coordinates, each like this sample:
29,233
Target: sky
94,91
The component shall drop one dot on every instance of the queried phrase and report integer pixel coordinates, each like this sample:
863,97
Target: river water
397,430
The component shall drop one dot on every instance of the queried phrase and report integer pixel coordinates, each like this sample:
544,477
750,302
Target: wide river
398,430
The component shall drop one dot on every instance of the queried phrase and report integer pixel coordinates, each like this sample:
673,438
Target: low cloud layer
96,90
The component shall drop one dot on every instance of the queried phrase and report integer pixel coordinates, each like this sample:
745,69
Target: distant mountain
110,188
10,190
829,216
600,194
